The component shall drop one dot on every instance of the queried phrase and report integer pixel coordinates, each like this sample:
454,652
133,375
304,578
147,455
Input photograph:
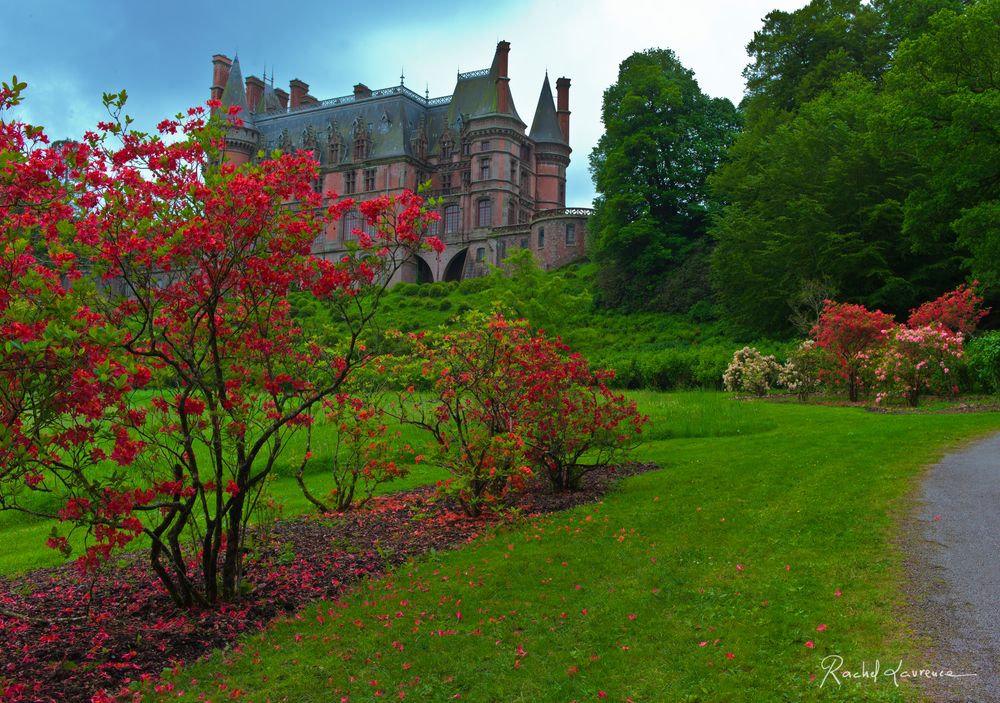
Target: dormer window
362,147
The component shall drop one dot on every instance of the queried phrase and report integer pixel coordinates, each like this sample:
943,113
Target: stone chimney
255,90
299,90
503,49
503,81
282,98
362,91
562,106
220,74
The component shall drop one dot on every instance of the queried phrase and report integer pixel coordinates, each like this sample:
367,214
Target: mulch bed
64,639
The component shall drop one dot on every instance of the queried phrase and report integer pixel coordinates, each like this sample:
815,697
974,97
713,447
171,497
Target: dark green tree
798,55
943,106
663,137
820,182
815,209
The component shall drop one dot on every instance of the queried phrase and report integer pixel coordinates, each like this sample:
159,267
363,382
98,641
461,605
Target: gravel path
955,572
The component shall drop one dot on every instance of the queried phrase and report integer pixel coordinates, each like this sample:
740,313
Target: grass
647,350
31,532
762,514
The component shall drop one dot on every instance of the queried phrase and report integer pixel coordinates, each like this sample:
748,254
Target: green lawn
29,532
762,515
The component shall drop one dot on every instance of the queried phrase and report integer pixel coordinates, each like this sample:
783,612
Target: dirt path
955,572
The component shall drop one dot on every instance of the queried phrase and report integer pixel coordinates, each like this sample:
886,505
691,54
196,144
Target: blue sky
160,53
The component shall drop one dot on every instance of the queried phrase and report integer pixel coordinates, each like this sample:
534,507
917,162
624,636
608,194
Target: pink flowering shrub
914,359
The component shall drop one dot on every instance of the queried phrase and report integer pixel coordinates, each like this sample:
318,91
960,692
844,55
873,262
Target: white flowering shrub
750,372
800,373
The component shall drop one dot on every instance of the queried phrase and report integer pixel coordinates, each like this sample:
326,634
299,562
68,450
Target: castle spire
235,92
545,125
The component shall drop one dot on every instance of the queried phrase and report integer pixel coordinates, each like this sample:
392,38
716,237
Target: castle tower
551,151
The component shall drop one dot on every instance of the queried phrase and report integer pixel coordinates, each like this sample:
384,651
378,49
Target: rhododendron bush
749,371
867,348
151,372
915,359
507,402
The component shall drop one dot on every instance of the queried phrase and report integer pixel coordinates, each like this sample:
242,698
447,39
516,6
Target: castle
501,185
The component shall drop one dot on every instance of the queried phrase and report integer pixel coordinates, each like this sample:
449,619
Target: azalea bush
959,311
507,403
571,422
361,453
152,372
749,371
850,334
471,411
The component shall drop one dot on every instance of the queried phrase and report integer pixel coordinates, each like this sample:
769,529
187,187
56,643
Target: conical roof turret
545,125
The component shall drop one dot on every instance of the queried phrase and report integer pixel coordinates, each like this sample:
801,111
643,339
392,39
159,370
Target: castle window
451,219
317,184
481,254
369,179
522,218
466,179
571,234
466,149
446,181
525,152
525,183
484,145
446,150
361,148
350,182
484,169
524,242
336,153
485,212
562,193
541,238
352,221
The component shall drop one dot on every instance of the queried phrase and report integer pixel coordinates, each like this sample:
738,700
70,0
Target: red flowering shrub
470,412
959,310
571,422
507,402
157,265
850,334
361,454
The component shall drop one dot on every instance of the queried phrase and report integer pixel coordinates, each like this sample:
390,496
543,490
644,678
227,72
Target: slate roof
545,126
235,93
393,118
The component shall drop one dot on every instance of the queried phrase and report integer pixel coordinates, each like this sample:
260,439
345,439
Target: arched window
485,218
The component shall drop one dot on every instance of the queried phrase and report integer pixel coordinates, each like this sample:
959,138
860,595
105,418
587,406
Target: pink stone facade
501,185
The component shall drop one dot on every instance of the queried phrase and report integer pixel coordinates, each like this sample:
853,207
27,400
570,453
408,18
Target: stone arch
456,266
424,272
